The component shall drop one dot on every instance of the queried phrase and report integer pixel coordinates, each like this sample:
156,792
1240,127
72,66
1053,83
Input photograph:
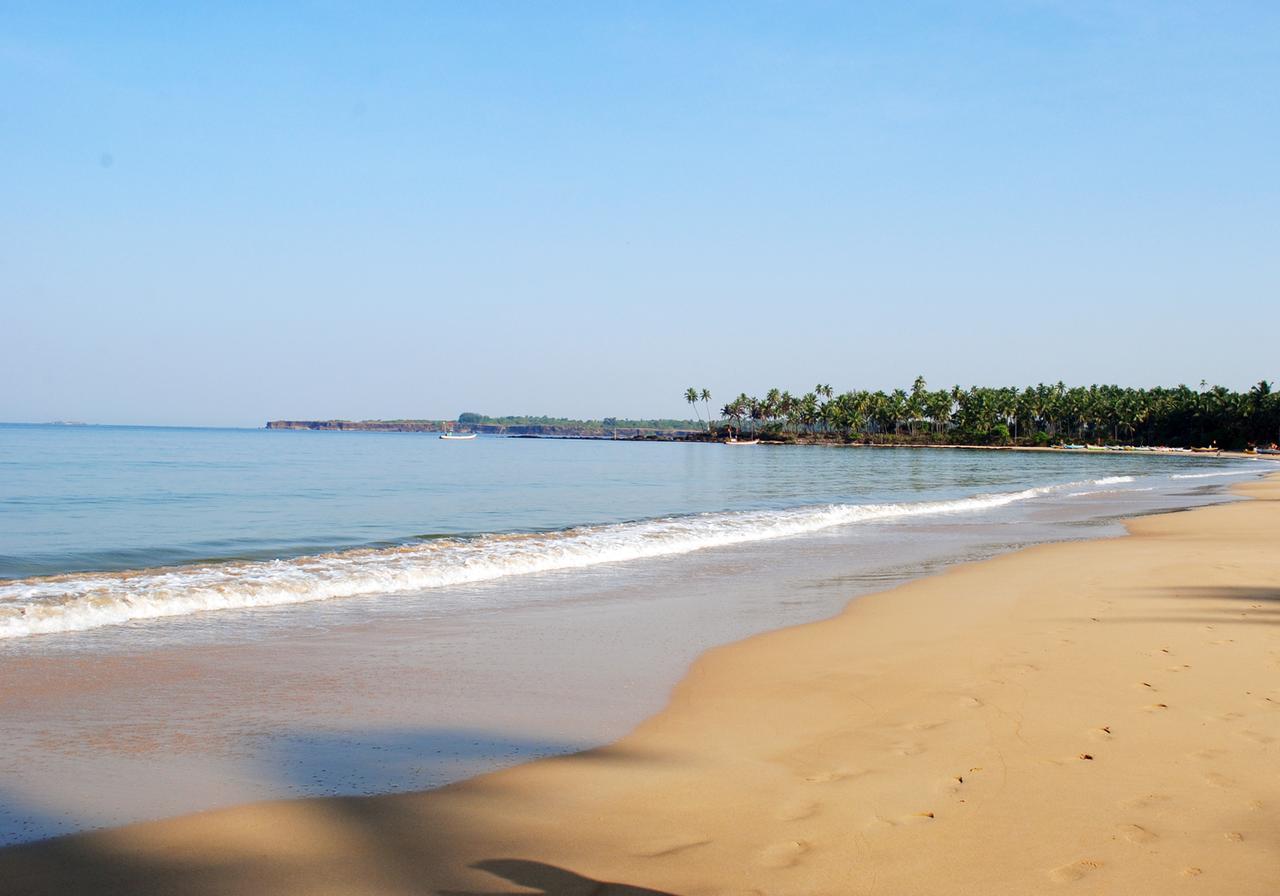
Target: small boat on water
1269,450
741,441
457,436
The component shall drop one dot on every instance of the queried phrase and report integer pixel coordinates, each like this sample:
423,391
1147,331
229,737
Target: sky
227,213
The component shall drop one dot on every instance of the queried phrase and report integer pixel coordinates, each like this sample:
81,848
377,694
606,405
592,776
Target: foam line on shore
77,602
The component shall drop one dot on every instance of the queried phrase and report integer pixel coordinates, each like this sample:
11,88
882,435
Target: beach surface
1091,717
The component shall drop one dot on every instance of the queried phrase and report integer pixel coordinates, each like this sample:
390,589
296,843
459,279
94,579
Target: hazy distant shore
555,430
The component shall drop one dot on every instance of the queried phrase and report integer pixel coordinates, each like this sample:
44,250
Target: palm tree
691,396
735,410
916,403
1174,416
938,406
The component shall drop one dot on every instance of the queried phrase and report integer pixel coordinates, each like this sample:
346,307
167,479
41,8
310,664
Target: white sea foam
1110,491
1214,475
75,602
1106,480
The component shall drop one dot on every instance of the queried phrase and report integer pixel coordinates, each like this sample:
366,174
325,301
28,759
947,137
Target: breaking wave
80,601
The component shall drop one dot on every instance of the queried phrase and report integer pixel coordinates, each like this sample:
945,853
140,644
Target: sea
191,618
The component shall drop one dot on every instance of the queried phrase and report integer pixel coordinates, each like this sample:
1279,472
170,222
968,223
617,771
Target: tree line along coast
1032,416
1040,416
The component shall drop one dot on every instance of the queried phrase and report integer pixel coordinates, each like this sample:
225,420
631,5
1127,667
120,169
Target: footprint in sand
1217,780
784,854
1234,836
830,777
925,726
1191,871
1136,833
879,823
1074,871
1156,707
1230,716
1101,733
969,702
798,810
1146,801
1257,737
666,846
1020,668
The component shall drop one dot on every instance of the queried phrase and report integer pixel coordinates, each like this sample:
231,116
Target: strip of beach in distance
1097,716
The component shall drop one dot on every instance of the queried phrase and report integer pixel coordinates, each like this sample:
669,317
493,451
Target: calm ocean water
108,525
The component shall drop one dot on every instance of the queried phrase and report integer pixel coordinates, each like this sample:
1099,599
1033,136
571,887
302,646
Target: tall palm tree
691,396
915,405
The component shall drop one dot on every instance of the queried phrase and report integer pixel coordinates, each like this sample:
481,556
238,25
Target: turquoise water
229,519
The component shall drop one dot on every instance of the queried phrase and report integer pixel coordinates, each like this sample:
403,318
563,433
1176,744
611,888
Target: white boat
742,441
457,436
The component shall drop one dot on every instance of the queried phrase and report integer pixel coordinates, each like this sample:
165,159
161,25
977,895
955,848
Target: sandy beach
1093,717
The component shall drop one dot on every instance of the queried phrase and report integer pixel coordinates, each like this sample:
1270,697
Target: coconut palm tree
1175,416
691,396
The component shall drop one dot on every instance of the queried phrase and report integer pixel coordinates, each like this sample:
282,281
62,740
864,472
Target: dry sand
1097,717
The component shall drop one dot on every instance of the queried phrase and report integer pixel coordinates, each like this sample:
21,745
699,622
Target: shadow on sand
1215,605
550,880
410,844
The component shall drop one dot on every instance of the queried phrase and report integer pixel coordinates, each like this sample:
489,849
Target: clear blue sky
381,210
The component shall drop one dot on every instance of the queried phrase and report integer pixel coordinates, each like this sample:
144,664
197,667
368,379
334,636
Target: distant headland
1040,416
542,427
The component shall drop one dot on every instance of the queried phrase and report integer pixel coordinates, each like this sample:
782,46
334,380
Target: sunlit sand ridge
1086,717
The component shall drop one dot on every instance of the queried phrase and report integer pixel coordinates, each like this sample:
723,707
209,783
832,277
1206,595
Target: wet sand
1084,717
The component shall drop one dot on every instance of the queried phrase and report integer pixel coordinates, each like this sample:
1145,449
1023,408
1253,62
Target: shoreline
872,742
684,437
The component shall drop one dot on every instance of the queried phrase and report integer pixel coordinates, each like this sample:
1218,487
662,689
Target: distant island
543,427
